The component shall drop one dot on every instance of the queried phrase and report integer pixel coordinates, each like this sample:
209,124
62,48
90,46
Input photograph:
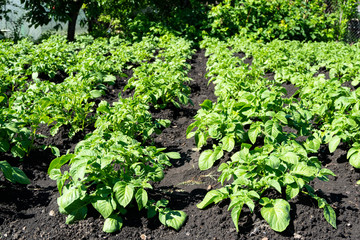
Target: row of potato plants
30,97
260,127
113,167
333,100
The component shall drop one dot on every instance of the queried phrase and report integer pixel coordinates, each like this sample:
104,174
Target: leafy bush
282,19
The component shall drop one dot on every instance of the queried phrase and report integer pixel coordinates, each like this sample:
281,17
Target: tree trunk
72,22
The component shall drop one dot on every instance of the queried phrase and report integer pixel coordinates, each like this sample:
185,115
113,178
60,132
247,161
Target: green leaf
96,93
173,155
17,151
292,190
325,171
71,201
183,99
205,160
172,218
78,169
58,162
141,197
253,134
104,207
354,157
200,139
330,215
235,214
103,107
290,157
123,193
272,128
281,116
273,162
7,170
112,224
275,184
109,79
228,143
207,104
334,142
55,174
208,158
55,151
19,176
13,174
304,170
190,134
78,214
213,196
277,214
4,145
151,212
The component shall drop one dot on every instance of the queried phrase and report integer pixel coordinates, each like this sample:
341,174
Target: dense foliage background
262,19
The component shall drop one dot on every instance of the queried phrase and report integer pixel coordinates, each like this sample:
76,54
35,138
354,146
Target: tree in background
41,12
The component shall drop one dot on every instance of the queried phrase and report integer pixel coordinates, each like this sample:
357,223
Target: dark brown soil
31,212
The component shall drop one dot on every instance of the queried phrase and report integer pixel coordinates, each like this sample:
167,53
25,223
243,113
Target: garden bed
31,212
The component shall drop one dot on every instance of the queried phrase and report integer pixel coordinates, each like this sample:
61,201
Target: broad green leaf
228,143
19,176
190,128
141,197
207,104
211,197
292,190
109,79
304,170
55,174
272,128
78,169
312,145
183,99
334,142
275,184
7,170
172,218
55,151
253,133
273,162
281,116
330,215
78,214
104,207
17,151
277,214
112,224
151,212
290,157
205,160
235,214
158,175
103,107
58,162
123,193
173,155
71,201
217,154
354,157
325,171
96,93
200,139
4,145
